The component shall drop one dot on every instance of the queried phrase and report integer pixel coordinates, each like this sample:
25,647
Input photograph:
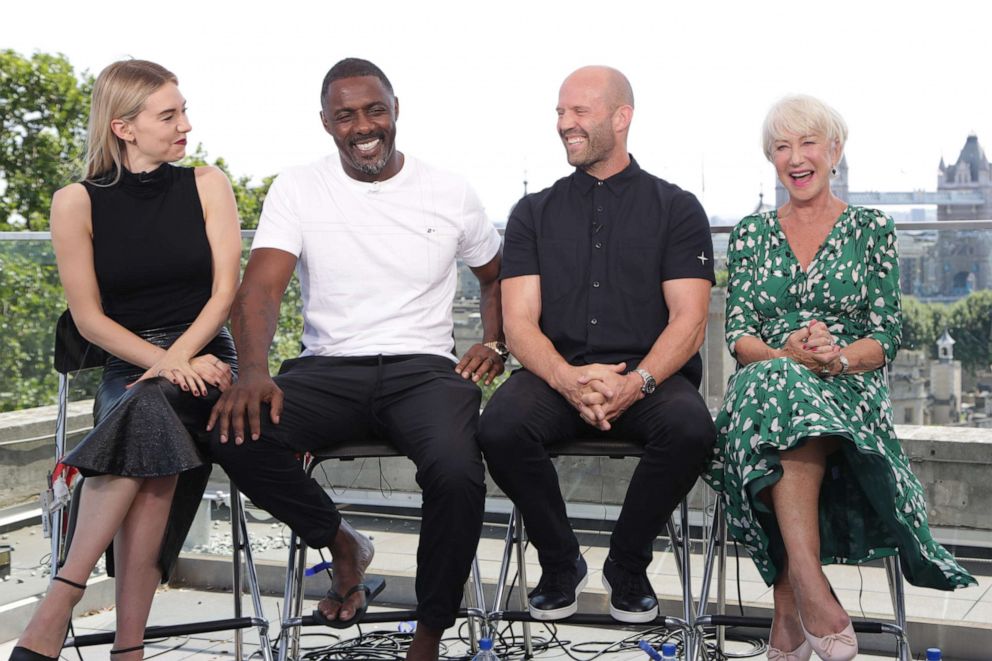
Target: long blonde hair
120,92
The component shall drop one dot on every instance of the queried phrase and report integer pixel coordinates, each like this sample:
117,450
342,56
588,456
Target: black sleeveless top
150,251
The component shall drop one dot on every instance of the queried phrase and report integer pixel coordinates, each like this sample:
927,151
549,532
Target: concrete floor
178,605
863,592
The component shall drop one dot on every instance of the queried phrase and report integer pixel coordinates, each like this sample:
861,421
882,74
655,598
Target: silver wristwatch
845,365
649,383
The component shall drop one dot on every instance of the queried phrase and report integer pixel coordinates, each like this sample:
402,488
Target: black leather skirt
153,429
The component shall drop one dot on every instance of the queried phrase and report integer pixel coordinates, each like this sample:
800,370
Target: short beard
374,168
591,155
586,160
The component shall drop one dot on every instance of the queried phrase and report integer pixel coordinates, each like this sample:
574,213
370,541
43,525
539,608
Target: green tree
922,324
249,197
30,301
969,321
44,107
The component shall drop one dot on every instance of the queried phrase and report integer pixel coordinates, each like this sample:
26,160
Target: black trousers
526,414
419,404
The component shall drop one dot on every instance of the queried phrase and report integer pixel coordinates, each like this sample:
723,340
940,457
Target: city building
965,257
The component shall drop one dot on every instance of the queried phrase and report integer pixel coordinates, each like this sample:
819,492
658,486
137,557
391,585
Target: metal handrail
940,225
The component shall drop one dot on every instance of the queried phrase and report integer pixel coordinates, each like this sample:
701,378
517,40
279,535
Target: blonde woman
807,460
148,254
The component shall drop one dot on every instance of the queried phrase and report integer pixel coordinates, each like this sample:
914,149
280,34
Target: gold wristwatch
499,348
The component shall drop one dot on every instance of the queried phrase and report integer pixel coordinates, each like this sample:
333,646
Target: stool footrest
594,619
372,617
860,626
152,633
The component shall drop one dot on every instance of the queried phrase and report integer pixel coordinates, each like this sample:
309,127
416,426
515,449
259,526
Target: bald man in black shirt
605,281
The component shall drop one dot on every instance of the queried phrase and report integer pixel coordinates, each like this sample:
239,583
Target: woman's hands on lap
213,370
179,371
812,346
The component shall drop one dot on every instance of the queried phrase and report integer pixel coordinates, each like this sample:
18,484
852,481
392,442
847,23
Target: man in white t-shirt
373,236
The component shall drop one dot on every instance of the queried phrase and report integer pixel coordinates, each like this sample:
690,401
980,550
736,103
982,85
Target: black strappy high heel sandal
23,653
128,649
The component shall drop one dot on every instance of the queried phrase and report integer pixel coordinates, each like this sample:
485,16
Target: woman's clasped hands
191,375
813,345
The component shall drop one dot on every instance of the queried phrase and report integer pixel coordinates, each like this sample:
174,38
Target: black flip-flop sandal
371,586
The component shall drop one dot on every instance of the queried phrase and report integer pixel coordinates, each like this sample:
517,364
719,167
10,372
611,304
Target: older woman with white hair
807,461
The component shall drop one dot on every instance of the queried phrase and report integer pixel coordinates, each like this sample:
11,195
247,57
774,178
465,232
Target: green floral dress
870,503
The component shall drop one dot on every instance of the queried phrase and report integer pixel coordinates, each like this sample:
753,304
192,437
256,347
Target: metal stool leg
688,607
716,551
476,607
893,572
514,541
522,578
244,548
56,515
681,550
504,566
237,585
289,641
721,587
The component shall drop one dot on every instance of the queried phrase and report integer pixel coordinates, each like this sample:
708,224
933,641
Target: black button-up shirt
602,249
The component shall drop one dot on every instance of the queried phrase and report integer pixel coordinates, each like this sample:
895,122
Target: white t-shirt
376,260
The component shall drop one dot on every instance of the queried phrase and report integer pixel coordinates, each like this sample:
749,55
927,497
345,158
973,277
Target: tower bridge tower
965,257
972,174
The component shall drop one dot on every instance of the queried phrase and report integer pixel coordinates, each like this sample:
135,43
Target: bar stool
293,619
515,540
74,354
716,551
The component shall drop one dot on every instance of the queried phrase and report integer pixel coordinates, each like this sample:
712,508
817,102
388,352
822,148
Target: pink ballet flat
801,653
841,646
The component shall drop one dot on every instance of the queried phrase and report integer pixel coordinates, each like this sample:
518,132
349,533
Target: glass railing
946,280
946,272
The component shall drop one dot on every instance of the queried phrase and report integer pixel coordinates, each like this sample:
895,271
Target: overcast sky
478,82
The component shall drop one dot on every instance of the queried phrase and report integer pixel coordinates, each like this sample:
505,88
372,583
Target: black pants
416,402
526,414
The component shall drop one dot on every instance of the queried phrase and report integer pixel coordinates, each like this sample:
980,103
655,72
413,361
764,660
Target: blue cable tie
650,651
407,627
317,568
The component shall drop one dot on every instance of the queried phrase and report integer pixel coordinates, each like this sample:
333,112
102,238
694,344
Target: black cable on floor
510,646
758,645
